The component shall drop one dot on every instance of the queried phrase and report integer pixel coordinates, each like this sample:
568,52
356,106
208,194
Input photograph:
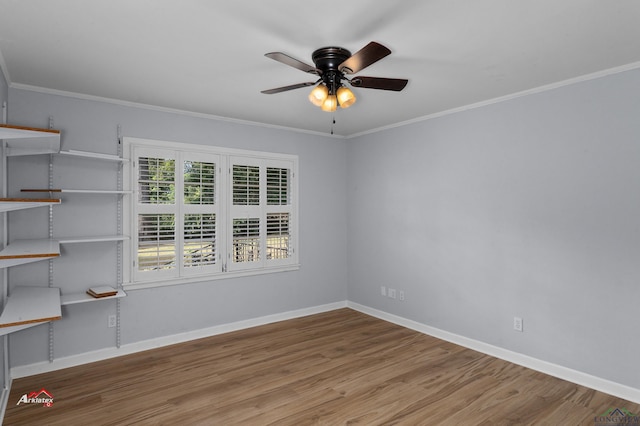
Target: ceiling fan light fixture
330,65
330,104
319,94
346,98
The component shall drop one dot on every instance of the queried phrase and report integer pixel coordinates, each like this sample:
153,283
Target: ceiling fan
332,64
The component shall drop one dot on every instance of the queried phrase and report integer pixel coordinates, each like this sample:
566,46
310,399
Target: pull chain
333,121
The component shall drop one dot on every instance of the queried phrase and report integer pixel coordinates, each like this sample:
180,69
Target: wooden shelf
8,131
75,298
28,306
77,191
29,140
19,252
14,328
10,204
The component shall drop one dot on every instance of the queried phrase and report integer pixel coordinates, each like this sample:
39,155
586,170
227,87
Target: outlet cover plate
517,324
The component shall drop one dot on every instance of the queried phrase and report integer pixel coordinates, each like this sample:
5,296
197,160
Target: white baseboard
564,373
102,354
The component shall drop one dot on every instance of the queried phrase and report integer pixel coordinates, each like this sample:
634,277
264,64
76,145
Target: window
200,212
260,212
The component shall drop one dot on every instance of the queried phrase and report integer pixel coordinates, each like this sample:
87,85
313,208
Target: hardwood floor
335,368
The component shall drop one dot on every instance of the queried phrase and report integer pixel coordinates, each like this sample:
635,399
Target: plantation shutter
260,213
156,242
200,213
177,214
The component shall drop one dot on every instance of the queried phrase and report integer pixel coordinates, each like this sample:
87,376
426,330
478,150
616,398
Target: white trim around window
199,213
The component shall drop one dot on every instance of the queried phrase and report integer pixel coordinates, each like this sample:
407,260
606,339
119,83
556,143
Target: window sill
209,277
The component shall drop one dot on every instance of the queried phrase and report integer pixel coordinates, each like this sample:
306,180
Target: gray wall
523,208
527,207
152,313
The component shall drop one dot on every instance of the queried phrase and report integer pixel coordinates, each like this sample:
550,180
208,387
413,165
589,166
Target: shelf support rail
51,331
119,254
6,380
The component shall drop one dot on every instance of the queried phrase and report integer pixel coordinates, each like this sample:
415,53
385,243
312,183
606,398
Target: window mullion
223,198
263,214
180,210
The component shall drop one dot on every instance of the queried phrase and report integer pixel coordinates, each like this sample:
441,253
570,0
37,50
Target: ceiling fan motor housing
327,60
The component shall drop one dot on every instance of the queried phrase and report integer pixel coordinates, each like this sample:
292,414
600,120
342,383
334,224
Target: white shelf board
7,131
29,141
31,305
19,252
92,239
11,204
74,298
93,155
14,328
78,191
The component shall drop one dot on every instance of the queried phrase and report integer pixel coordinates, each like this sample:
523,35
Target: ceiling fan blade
286,88
395,84
292,62
364,57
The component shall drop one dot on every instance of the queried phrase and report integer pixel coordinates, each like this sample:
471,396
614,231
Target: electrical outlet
383,290
392,293
401,295
111,321
517,324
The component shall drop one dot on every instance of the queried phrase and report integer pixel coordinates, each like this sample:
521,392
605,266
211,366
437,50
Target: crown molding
535,90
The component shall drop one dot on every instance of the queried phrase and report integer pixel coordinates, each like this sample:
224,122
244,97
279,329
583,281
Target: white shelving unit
27,306
82,297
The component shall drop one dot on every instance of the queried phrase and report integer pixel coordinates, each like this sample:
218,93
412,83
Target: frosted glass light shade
319,94
346,98
330,104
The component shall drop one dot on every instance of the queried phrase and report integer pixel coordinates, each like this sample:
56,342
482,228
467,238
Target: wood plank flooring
335,368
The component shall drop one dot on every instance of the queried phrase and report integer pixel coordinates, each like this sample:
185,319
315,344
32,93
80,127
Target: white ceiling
207,56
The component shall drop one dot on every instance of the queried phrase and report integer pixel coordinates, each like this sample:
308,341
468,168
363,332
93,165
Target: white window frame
224,210
260,211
